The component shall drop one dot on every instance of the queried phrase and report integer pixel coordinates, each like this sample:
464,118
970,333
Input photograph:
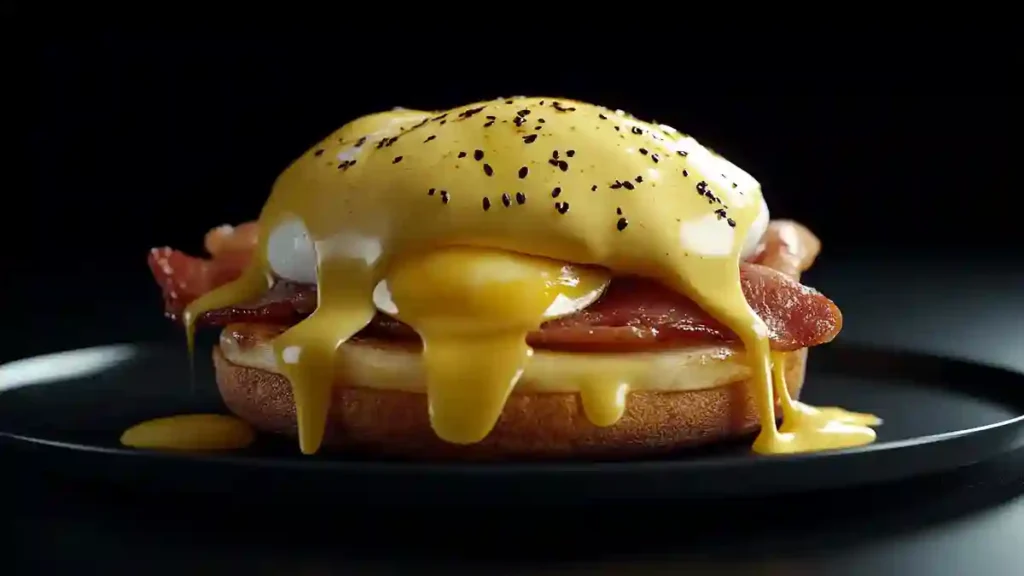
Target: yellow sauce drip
604,401
252,284
193,432
306,352
807,428
473,308
422,200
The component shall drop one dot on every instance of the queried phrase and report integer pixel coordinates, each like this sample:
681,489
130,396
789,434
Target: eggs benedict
525,277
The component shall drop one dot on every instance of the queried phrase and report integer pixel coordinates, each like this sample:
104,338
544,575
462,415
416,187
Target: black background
139,140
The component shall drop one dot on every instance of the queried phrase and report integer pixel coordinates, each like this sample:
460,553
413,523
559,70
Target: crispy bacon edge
797,315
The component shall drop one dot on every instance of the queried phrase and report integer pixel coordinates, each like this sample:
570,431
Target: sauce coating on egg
483,222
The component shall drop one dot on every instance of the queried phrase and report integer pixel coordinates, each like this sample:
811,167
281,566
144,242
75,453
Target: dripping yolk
473,309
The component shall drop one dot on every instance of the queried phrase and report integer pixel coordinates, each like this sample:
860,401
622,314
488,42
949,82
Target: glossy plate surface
65,411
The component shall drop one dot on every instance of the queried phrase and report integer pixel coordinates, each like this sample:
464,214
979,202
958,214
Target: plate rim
520,468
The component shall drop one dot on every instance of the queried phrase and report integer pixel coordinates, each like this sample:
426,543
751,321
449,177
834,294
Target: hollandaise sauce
476,225
193,432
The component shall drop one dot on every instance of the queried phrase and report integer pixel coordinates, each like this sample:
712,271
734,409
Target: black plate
68,409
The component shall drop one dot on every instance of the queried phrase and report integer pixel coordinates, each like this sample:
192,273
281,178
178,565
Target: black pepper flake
318,152
361,141
618,211
628,185
570,153
478,155
441,117
429,138
386,142
639,179
430,192
488,170
518,121
731,222
562,207
346,164
553,162
558,106
643,151
556,192
444,196
523,172
618,128
682,153
602,116
520,198
637,130
685,173
489,123
523,113
735,185
621,224
537,128
397,160
563,165
593,188
471,112
703,190
541,120
530,139
509,101
462,154
656,158
487,203
616,185
554,153
506,199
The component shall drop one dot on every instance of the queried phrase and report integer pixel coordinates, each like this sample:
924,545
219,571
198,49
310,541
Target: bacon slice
637,313
228,239
634,314
183,278
286,303
788,247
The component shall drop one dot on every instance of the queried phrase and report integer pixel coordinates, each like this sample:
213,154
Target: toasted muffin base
532,425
